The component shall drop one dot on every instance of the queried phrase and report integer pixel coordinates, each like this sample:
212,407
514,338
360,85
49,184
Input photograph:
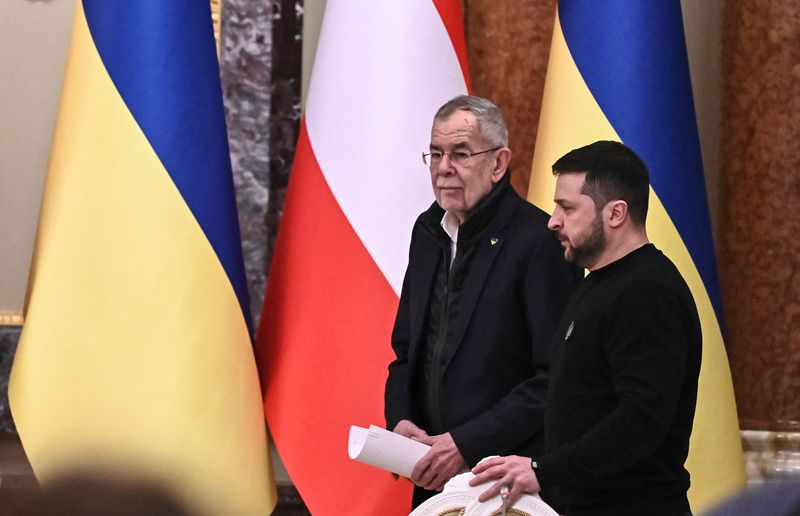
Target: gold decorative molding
771,456
216,18
11,318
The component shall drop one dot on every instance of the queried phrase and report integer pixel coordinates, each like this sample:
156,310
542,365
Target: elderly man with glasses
485,286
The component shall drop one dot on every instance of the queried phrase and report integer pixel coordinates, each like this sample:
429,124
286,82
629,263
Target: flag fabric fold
381,71
619,71
136,351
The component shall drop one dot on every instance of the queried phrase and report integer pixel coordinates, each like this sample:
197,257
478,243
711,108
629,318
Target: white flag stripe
371,102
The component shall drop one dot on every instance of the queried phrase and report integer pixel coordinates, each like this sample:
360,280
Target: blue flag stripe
644,89
160,56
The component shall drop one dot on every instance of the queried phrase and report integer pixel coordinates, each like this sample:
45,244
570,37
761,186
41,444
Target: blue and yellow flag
618,70
136,351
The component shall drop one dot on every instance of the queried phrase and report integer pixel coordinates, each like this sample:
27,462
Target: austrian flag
358,183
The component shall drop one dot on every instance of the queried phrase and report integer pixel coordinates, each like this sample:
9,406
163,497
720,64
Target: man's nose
446,165
554,223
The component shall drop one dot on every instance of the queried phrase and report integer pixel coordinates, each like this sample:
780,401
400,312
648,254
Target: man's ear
618,213
501,160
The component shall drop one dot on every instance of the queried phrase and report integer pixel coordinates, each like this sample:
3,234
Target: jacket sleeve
517,417
397,395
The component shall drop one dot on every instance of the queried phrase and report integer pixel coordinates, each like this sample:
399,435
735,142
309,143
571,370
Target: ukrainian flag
618,70
136,352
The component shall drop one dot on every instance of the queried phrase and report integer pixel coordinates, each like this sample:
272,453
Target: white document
385,450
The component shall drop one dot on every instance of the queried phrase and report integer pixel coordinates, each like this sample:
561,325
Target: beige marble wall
33,54
759,225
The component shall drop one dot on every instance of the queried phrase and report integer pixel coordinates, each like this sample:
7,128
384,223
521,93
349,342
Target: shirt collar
450,225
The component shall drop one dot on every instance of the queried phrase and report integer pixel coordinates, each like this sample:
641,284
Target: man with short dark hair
623,386
483,292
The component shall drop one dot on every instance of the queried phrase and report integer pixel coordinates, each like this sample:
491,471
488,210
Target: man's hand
513,471
442,462
408,429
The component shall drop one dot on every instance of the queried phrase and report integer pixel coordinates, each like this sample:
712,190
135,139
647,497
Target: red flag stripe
357,185
453,21
324,350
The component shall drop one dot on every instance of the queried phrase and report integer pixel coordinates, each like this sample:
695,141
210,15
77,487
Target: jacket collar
488,220
478,218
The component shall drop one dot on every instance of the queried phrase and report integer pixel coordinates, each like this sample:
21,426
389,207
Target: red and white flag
382,69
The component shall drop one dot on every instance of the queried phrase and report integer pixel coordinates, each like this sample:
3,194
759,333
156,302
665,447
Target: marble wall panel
9,336
245,62
260,64
508,44
286,108
759,223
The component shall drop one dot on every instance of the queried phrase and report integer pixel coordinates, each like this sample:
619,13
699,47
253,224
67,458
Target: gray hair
491,122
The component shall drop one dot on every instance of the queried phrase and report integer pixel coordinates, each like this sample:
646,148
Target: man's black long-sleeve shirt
623,389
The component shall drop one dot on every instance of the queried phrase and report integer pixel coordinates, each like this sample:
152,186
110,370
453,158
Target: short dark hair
613,171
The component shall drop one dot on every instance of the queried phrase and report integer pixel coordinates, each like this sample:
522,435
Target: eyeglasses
457,157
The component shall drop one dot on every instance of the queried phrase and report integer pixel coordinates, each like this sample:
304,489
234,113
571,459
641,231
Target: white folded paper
385,450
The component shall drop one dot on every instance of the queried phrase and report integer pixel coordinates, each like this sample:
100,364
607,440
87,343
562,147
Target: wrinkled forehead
459,127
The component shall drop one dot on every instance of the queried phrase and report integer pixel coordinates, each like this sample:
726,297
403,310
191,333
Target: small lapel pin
494,240
569,330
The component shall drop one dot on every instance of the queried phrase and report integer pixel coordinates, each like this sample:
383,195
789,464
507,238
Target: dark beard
588,245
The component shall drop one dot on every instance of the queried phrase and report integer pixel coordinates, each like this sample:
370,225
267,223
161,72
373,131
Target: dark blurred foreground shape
94,494
770,499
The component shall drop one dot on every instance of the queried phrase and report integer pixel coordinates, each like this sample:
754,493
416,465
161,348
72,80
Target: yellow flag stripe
135,353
